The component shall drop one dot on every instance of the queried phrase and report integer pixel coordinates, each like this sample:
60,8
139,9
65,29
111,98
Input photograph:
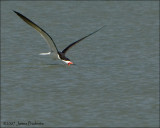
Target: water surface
114,82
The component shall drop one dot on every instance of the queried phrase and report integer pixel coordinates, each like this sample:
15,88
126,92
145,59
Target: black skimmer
50,42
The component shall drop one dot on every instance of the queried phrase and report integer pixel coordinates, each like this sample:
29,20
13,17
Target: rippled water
114,82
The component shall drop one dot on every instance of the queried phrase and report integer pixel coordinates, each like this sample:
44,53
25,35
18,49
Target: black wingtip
19,14
15,11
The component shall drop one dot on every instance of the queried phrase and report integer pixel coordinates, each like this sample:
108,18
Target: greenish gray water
115,80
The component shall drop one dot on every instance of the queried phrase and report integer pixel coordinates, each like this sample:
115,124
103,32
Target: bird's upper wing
44,34
72,44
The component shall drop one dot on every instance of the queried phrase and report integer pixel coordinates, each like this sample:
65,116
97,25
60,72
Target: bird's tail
48,53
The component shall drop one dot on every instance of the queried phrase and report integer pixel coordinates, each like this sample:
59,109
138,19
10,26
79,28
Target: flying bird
52,46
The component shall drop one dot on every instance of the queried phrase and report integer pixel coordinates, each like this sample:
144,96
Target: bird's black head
64,58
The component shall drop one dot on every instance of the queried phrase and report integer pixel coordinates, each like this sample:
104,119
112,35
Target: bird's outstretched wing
72,44
44,34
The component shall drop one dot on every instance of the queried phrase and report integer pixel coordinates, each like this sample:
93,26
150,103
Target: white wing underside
49,41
